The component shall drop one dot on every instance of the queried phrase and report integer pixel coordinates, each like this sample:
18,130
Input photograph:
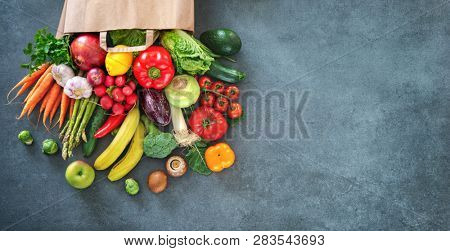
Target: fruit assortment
174,94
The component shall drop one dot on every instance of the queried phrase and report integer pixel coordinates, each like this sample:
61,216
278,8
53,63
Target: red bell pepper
110,124
153,68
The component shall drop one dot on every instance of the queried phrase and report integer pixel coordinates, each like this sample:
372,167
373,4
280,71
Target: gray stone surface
377,117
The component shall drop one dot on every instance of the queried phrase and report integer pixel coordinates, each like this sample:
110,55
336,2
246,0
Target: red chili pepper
110,124
153,68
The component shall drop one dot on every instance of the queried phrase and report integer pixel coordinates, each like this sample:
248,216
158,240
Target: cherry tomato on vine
232,92
208,99
205,82
218,86
234,111
221,104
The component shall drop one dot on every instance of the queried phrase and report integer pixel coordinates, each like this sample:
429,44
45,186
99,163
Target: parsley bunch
47,48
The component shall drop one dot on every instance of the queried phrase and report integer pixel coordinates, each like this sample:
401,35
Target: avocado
224,42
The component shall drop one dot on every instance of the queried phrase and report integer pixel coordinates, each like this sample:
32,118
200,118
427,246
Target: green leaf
47,48
196,159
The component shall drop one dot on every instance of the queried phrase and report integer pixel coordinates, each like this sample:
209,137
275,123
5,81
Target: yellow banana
120,141
132,157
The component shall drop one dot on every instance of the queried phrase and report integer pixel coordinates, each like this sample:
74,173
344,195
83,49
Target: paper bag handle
150,38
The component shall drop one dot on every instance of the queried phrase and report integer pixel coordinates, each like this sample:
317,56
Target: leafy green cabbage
189,55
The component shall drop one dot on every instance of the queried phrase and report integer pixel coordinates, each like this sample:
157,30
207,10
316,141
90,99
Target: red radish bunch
114,92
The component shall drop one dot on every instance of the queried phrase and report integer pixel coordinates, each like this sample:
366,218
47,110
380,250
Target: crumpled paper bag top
104,15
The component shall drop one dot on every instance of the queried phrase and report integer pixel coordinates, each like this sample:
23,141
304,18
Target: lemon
118,63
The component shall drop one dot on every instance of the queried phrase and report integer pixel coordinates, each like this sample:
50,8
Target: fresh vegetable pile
173,95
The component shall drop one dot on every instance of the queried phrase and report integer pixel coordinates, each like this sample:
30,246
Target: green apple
79,174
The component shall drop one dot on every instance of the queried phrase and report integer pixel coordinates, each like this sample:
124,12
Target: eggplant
155,106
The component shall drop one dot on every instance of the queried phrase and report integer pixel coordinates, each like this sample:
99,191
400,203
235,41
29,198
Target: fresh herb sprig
47,48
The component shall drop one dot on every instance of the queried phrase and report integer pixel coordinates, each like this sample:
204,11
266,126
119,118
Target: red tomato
208,99
208,123
235,110
218,86
232,92
205,82
221,104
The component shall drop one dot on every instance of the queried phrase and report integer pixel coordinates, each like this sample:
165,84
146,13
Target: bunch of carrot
44,89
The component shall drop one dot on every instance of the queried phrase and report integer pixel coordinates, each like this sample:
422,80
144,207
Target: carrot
55,106
36,86
65,102
72,104
43,104
54,92
28,79
38,94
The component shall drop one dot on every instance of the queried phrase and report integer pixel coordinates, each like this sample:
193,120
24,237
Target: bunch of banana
120,142
132,157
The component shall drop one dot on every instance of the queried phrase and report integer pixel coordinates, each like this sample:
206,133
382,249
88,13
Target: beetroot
86,52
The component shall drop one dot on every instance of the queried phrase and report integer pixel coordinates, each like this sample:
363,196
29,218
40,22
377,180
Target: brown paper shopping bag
105,15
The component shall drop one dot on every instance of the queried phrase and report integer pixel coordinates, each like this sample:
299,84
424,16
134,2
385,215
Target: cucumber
224,42
230,75
96,121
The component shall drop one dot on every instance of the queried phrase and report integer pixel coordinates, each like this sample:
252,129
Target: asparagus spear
69,128
87,116
82,110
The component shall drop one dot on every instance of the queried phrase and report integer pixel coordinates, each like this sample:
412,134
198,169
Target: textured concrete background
377,156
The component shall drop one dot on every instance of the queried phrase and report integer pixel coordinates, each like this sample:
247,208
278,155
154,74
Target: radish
118,109
109,81
127,91
100,90
120,80
106,102
131,100
132,84
117,95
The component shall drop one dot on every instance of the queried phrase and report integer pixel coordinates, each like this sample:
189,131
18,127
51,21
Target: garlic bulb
62,73
78,87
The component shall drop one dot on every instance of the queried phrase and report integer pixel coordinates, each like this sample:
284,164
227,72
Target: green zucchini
96,122
227,74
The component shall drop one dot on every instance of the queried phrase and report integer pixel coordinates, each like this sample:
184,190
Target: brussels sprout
25,137
49,146
131,186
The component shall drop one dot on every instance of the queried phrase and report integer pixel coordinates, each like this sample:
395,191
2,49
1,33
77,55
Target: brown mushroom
157,181
176,166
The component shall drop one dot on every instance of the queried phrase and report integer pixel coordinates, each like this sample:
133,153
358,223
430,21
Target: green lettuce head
189,55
